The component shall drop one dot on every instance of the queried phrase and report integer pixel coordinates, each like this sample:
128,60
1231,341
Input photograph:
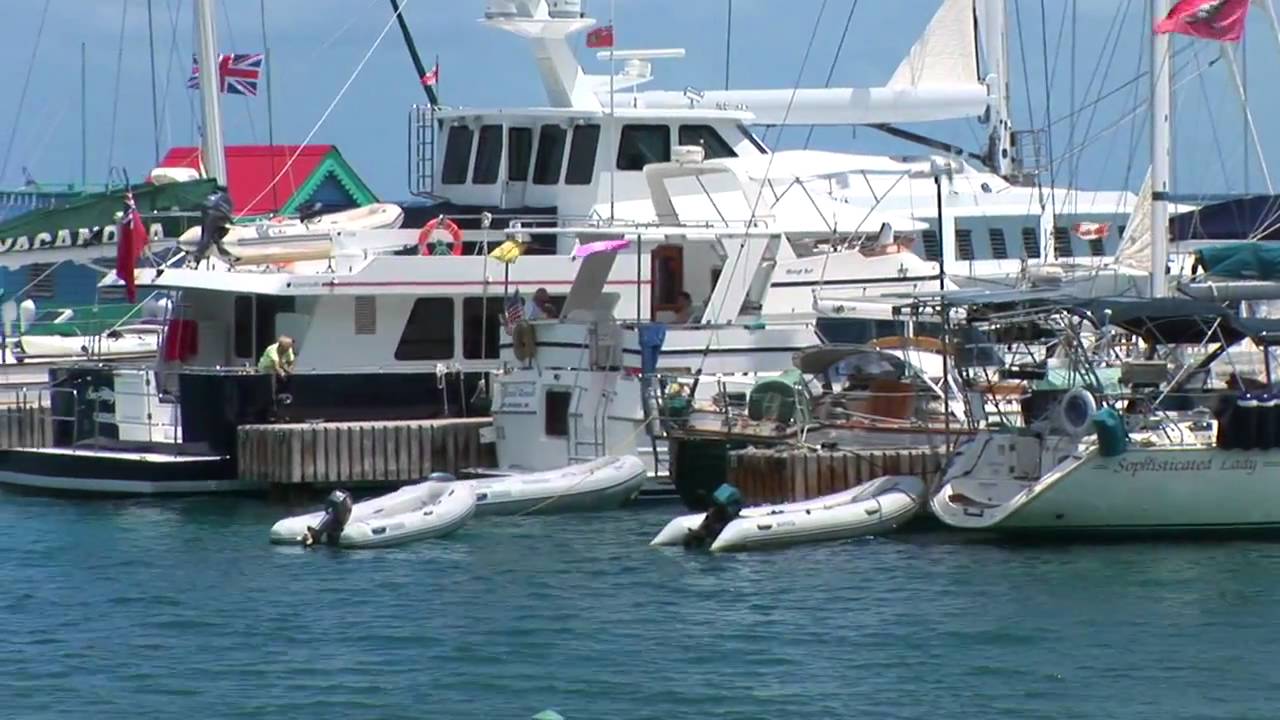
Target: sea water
180,608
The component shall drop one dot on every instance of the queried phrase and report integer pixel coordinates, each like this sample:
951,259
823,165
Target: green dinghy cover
1243,261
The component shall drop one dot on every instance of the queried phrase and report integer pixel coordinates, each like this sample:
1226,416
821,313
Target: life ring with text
524,343
441,236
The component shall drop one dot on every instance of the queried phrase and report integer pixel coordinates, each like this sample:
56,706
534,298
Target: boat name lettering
1148,465
519,396
70,237
799,271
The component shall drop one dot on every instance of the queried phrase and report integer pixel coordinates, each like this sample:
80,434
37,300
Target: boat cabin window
932,248
858,331
481,327
546,168
964,244
457,154
999,248
428,334
582,155
1062,243
519,153
1097,246
557,413
242,343
1031,242
643,144
708,139
488,155
751,138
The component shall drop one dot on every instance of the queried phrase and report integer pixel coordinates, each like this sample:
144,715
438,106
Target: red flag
1091,230
601,37
431,77
1209,19
131,240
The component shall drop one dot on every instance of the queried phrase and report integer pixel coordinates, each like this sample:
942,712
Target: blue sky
316,45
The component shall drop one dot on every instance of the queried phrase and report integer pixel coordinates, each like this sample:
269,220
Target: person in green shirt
278,360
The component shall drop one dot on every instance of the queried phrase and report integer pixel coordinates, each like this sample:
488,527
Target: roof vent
688,154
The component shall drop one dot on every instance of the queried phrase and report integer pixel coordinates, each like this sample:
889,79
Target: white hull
1182,490
602,484
425,510
875,507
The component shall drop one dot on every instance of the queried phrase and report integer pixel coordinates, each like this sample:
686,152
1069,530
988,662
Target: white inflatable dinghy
283,239
602,484
425,510
872,508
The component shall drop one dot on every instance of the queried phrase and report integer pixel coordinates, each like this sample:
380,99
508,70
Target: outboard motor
215,216
726,503
310,210
337,511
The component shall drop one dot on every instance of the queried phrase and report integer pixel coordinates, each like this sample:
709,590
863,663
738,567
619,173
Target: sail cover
1243,261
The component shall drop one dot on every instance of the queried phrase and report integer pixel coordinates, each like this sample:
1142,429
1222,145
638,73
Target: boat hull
1179,491
417,512
876,507
602,484
120,473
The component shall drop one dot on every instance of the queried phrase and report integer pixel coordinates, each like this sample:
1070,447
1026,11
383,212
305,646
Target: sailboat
1160,447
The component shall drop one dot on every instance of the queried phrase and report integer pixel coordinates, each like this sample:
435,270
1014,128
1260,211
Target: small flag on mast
1209,19
131,239
238,73
601,37
432,76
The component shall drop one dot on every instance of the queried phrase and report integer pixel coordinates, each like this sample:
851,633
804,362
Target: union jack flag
238,73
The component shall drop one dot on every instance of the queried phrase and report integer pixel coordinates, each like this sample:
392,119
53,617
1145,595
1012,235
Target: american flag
238,73
515,310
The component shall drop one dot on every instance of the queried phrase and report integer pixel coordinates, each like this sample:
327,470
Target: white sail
1134,252
947,52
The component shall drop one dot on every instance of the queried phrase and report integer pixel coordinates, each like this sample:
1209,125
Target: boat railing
100,416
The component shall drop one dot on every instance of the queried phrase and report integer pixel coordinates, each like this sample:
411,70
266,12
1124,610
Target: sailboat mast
993,32
1161,100
213,150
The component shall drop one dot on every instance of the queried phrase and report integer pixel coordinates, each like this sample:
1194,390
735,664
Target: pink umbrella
600,246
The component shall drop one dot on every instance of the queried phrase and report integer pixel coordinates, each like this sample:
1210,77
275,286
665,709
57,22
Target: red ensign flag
1209,19
601,37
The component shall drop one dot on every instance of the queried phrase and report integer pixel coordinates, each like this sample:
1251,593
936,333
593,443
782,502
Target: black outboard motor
337,511
310,210
215,217
726,503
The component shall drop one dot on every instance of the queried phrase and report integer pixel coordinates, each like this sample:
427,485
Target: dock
353,454
773,475
25,426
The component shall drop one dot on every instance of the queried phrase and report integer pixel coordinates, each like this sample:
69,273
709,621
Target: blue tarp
651,338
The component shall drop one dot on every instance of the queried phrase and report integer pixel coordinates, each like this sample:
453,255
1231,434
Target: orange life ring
430,243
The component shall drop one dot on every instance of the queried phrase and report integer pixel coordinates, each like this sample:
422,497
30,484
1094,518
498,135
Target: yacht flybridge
581,157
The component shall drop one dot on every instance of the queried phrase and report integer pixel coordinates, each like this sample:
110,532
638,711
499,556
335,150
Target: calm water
182,609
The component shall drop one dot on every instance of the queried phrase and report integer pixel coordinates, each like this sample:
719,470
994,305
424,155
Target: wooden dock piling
25,426
790,474
359,453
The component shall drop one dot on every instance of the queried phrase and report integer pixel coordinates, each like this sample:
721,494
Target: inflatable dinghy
602,484
425,510
872,508
281,240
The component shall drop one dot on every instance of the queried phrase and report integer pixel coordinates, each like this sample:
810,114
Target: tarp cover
1243,261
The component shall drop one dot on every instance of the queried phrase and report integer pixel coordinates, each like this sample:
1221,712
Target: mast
1161,98
212,149
994,35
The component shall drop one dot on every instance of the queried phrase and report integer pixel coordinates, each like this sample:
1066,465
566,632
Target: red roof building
318,174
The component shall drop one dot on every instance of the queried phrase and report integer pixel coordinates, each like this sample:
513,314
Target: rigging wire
231,37
831,71
288,166
115,102
782,126
22,96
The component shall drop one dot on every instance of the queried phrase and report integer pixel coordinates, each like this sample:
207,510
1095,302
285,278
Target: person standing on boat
278,359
